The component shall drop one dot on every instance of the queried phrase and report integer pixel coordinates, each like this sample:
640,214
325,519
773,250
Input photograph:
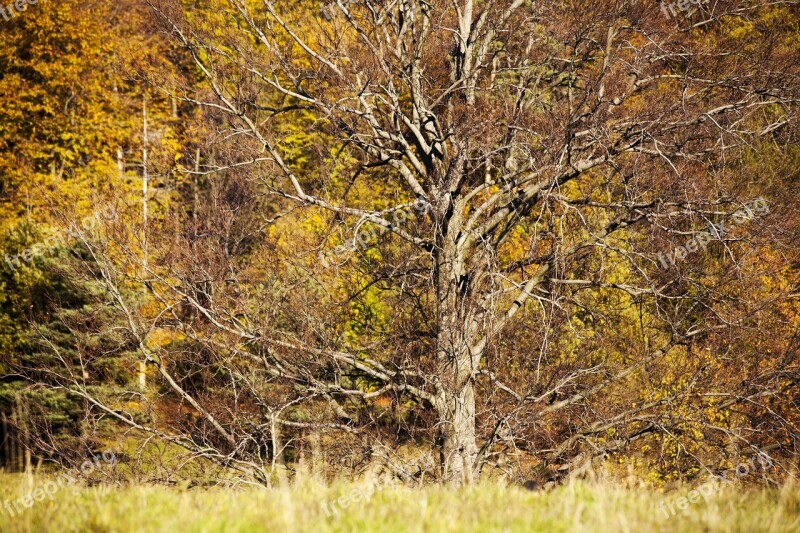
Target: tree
68,123
554,151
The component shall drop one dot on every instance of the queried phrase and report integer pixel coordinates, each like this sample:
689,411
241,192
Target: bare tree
555,148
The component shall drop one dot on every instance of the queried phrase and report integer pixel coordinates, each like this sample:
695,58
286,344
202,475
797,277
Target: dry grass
307,506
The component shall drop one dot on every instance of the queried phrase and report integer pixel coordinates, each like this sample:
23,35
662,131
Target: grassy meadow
313,506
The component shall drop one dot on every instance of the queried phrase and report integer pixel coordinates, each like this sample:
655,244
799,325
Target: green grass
299,507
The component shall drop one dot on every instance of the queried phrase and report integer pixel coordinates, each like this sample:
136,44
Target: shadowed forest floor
311,506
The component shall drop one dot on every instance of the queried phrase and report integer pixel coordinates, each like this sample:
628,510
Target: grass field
315,507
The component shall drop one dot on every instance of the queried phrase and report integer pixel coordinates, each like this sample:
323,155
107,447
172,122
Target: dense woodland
443,240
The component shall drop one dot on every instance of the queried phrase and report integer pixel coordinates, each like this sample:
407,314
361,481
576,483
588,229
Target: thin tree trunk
17,455
315,449
277,445
195,195
6,440
142,375
14,441
144,181
26,439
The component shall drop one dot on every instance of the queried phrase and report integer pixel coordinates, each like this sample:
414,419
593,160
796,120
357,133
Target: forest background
410,238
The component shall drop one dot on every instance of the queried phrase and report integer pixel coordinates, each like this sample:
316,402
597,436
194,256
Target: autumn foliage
443,240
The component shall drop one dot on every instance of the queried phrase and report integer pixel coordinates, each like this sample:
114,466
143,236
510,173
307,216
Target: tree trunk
458,358
6,442
277,444
459,448
18,455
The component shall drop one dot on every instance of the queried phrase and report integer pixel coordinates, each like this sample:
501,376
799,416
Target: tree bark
457,334
460,451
